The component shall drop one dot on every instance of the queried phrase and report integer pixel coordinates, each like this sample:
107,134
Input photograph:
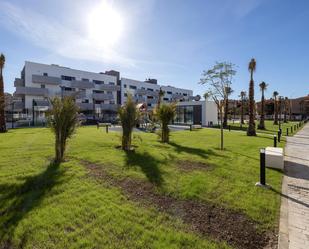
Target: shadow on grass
147,163
195,151
17,200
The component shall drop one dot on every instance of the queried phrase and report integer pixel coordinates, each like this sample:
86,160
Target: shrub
63,120
165,114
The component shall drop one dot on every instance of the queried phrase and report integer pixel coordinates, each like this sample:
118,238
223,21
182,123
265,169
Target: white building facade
148,92
94,93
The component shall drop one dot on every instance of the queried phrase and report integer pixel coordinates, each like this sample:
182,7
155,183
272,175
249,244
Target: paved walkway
294,218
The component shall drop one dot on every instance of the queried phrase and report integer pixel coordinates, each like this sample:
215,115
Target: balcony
74,94
109,88
152,101
31,91
109,107
146,92
41,79
102,96
81,84
85,106
41,103
19,82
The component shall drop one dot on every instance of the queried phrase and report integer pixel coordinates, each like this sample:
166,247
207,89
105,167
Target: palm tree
263,87
275,94
165,114
242,98
63,120
129,115
2,118
228,91
286,109
251,127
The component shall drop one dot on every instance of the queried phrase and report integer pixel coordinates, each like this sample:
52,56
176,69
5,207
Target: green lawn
45,206
270,127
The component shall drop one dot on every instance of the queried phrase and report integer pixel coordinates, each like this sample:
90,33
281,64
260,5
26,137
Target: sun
105,25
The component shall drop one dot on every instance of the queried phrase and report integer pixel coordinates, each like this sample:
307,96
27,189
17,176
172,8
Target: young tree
243,96
275,94
128,114
160,96
63,120
251,127
165,114
2,97
263,87
219,79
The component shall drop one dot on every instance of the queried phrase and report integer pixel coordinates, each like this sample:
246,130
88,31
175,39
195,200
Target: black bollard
291,129
279,136
106,128
190,127
262,167
287,131
229,127
275,141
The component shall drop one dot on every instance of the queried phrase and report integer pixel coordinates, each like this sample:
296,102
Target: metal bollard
229,127
262,167
275,141
190,127
279,136
106,128
287,131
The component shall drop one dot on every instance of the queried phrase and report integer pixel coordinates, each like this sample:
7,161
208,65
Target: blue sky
172,41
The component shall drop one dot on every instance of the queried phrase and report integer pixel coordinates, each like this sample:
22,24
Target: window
125,94
111,83
83,79
125,86
143,88
99,82
185,94
168,92
149,104
149,89
149,97
42,86
165,99
109,92
97,91
68,89
112,102
85,101
133,87
45,74
69,78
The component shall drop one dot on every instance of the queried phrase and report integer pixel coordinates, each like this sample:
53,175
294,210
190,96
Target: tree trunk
226,108
262,118
2,104
275,112
221,128
242,112
251,127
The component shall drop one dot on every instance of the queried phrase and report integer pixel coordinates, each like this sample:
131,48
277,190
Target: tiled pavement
294,218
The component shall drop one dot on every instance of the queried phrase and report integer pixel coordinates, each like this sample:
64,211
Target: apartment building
148,92
98,95
95,93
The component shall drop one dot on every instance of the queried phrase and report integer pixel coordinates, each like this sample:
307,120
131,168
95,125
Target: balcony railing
74,94
82,84
109,87
19,82
102,96
41,79
147,92
31,91
109,107
19,105
85,106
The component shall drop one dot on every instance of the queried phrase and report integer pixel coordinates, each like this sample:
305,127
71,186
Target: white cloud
57,37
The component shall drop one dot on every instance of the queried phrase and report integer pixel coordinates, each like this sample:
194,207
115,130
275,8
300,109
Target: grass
59,206
270,127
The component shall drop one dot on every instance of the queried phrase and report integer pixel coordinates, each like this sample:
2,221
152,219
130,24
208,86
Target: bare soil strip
206,219
189,166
